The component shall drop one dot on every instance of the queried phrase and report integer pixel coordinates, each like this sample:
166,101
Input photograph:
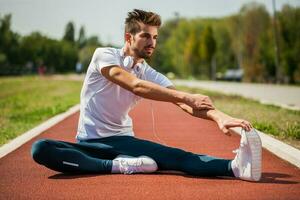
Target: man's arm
223,120
153,91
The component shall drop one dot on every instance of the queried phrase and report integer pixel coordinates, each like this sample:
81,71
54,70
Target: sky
105,18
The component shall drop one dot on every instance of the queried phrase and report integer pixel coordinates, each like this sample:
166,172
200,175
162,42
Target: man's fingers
236,123
247,125
201,102
240,123
226,131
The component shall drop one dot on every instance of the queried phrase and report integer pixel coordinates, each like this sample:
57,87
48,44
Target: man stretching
116,80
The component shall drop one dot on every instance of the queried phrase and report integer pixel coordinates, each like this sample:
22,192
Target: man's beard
141,53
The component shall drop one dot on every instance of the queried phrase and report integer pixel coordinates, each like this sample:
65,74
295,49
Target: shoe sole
254,142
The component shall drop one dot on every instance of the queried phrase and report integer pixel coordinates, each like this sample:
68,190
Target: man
115,81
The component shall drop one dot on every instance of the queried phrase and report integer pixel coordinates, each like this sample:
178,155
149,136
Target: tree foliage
69,32
289,20
81,42
244,40
191,48
19,55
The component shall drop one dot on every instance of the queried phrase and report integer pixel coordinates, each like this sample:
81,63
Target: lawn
27,101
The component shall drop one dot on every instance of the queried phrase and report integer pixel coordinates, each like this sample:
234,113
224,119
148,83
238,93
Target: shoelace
127,168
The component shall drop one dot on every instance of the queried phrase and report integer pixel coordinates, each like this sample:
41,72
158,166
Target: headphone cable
153,125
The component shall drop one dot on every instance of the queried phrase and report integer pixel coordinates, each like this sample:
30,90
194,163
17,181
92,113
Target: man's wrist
182,97
212,114
188,99
217,116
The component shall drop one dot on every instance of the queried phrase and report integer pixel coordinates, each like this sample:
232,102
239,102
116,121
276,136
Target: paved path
280,95
21,178
284,96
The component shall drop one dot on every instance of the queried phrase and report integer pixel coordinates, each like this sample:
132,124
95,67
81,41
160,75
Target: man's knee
39,150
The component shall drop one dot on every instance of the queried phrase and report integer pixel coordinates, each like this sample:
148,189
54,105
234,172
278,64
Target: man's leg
168,158
86,157
73,158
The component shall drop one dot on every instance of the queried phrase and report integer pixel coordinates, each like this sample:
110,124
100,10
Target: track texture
21,178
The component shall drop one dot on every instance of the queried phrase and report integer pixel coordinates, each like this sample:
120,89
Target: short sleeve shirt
104,105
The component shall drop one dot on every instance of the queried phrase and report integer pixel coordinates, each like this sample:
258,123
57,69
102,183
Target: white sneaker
131,165
247,162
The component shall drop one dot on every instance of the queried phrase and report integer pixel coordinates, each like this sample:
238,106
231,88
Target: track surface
21,178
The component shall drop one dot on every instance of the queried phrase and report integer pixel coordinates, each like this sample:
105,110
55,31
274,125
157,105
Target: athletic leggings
96,155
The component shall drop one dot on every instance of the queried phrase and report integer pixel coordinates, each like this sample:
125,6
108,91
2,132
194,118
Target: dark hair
137,16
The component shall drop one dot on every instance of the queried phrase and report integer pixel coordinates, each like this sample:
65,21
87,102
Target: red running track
21,178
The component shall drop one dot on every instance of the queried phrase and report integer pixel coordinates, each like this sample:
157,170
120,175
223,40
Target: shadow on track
273,178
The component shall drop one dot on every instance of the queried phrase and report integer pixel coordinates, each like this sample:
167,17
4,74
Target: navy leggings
95,156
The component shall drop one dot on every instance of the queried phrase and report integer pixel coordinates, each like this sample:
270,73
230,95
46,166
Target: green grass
27,101
282,123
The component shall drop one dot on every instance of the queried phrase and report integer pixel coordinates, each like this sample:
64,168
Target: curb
280,149
25,137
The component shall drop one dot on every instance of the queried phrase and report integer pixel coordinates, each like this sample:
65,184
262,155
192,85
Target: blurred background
237,40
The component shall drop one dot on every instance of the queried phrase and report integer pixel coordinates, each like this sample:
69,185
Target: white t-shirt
104,105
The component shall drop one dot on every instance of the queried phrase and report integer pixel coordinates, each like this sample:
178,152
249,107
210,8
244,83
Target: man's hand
224,125
200,102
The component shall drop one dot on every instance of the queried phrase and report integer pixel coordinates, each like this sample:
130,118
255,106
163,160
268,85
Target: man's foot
130,165
247,162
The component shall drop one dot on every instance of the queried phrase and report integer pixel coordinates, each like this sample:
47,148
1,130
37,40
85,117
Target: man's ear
128,37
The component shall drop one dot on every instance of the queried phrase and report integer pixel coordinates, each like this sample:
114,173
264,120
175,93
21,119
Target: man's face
143,43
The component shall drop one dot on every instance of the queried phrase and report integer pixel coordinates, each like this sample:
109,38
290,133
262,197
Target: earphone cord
153,126
152,113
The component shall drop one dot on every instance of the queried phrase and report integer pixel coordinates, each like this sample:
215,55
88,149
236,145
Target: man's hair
140,16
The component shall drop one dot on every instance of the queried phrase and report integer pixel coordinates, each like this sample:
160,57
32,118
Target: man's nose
152,42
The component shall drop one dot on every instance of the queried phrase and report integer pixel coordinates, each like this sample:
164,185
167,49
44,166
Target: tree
8,40
81,42
207,48
190,53
58,56
85,55
256,20
224,55
266,55
5,32
289,19
69,57
94,41
5,37
32,48
175,46
69,33
235,30
161,58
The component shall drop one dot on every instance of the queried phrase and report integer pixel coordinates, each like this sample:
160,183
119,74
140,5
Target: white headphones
128,62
